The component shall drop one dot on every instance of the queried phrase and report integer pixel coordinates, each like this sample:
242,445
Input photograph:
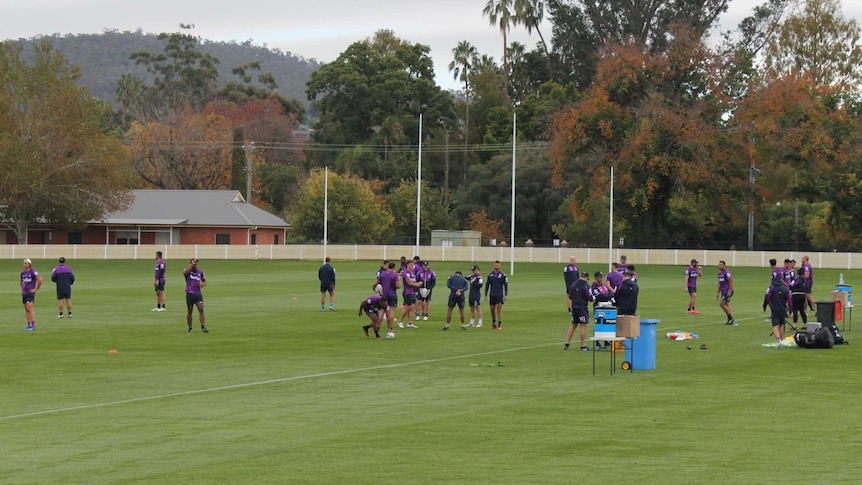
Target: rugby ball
424,292
378,289
390,335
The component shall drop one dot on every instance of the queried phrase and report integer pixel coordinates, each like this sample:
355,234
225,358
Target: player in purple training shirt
391,283
692,273
31,281
614,278
195,281
725,290
429,280
808,274
411,286
373,306
159,283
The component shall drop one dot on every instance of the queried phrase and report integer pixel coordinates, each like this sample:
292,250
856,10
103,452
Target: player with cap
31,281
692,273
623,264
579,292
64,278
475,299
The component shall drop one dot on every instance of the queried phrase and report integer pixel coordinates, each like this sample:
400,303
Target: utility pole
249,148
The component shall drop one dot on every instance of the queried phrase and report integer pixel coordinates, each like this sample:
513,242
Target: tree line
708,134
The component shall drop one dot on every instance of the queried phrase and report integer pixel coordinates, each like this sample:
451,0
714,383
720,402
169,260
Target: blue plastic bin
641,352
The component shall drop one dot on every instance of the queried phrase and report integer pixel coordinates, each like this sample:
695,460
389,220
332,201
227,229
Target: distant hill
104,57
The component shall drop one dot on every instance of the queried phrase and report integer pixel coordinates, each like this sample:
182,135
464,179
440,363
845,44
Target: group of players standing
417,282
789,291
619,288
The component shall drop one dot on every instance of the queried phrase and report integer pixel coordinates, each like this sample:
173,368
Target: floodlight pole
419,185
512,235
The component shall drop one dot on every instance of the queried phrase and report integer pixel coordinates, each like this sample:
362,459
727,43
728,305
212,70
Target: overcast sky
312,29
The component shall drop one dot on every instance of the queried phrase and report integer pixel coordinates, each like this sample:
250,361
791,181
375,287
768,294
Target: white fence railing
348,252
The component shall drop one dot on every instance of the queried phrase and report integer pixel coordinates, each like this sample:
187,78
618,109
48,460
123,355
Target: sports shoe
155,309
565,346
478,325
410,325
493,327
499,327
471,324
366,332
60,316
322,308
332,307
585,348
69,316
730,322
30,328
689,312
425,317
205,330
445,328
160,309
191,330
599,346
463,327
695,311
778,344
400,324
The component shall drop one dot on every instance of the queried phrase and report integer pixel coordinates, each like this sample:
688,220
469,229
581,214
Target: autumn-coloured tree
184,151
490,229
58,164
656,118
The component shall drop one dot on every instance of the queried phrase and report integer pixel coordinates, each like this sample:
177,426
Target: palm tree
519,76
531,13
501,13
463,58
129,90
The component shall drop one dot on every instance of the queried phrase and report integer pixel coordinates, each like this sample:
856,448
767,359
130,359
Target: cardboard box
840,296
628,326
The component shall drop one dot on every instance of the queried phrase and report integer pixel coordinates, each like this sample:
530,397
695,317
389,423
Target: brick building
172,217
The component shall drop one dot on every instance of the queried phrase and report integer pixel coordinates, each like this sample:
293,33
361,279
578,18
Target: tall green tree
820,42
58,164
184,76
464,56
501,13
130,88
401,202
531,13
355,215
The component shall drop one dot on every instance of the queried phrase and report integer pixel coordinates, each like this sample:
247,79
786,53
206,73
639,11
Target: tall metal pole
751,171
611,224
325,209
512,235
419,185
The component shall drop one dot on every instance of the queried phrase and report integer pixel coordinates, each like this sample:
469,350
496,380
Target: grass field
279,392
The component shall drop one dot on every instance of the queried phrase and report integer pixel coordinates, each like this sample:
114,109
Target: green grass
279,392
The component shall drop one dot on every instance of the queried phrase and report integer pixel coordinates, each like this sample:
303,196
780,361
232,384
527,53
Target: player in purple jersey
195,282
159,283
570,275
777,273
692,273
391,283
614,278
725,290
808,274
411,286
623,265
374,306
31,281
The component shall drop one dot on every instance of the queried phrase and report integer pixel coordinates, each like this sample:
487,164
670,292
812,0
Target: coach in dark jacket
64,278
627,295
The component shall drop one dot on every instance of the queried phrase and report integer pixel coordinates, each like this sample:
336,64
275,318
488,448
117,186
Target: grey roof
193,208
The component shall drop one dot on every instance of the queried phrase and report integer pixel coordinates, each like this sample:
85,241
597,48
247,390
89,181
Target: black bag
820,339
836,335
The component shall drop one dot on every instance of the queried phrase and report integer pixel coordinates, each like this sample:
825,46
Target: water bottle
841,279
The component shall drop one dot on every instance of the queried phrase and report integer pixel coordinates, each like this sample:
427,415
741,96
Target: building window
275,240
254,239
222,239
75,238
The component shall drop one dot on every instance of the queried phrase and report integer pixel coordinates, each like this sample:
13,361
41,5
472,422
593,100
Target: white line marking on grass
261,383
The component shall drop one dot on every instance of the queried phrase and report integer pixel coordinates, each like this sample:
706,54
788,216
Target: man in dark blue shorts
374,306
475,299
497,285
579,293
457,285
159,283
326,275
195,282
64,278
